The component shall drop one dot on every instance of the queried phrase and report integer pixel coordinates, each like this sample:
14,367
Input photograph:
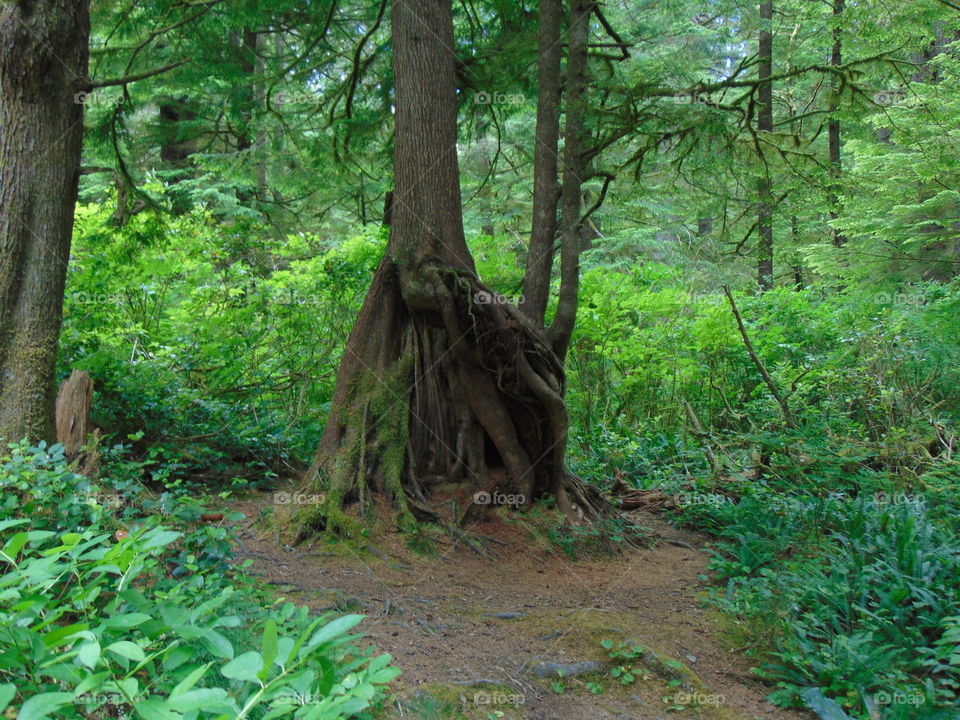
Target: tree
546,187
43,67
833,127
765,125
440,383
575,162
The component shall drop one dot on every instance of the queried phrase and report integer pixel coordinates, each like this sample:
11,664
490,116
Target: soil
470,631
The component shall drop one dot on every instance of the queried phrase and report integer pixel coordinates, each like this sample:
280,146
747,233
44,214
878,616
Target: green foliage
95,623
219,352
626,659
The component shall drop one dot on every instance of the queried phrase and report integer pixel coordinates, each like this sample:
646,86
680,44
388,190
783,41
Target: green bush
859,596
96,622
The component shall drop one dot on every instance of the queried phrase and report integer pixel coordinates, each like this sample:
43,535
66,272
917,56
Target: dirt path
471,633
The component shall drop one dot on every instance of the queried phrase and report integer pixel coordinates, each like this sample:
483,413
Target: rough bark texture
440,384
546,185
833,127
765,124
574,173
43,64
73,412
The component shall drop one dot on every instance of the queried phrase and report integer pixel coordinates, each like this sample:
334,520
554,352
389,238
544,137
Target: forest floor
475,635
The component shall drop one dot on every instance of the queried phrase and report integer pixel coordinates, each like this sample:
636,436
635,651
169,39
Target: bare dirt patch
471,633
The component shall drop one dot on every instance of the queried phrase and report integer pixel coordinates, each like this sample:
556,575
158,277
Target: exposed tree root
440,388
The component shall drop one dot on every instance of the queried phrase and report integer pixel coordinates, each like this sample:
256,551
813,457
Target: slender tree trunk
833,127
43,65
705,227
575,164
440,386
765,124
546,186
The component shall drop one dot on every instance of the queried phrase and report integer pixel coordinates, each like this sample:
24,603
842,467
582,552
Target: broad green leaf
60,635
156,709
15,544
89,653
6,695
334,628
190,680
159,538
42,705
245,667
126,620
216,643
128,650
269,648
209,699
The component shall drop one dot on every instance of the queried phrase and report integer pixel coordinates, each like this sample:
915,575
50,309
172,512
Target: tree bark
43,65
546,186
765,124
574,172
74,402
833,126
441,385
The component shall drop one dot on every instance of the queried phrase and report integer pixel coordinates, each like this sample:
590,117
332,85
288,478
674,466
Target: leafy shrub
861,593
97,623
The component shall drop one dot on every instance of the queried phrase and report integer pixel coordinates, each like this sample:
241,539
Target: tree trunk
765,124
546,186
43,65
441,385
73,412
574,172
833,127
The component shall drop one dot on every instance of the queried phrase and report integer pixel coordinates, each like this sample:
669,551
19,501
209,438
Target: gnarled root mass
442,385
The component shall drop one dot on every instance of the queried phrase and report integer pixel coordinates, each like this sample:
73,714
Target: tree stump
73,416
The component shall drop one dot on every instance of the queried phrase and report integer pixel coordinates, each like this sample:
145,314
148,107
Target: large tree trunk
546,186
43,64
575,164
438,386
765,124
833,127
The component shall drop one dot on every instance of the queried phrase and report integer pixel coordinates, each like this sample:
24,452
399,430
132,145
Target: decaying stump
74,402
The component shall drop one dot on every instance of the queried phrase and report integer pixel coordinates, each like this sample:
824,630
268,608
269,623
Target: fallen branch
781,401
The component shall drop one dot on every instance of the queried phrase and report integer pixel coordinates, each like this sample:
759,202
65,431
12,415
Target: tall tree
575,163
43,67
765,125
833,126
439,384
546,187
